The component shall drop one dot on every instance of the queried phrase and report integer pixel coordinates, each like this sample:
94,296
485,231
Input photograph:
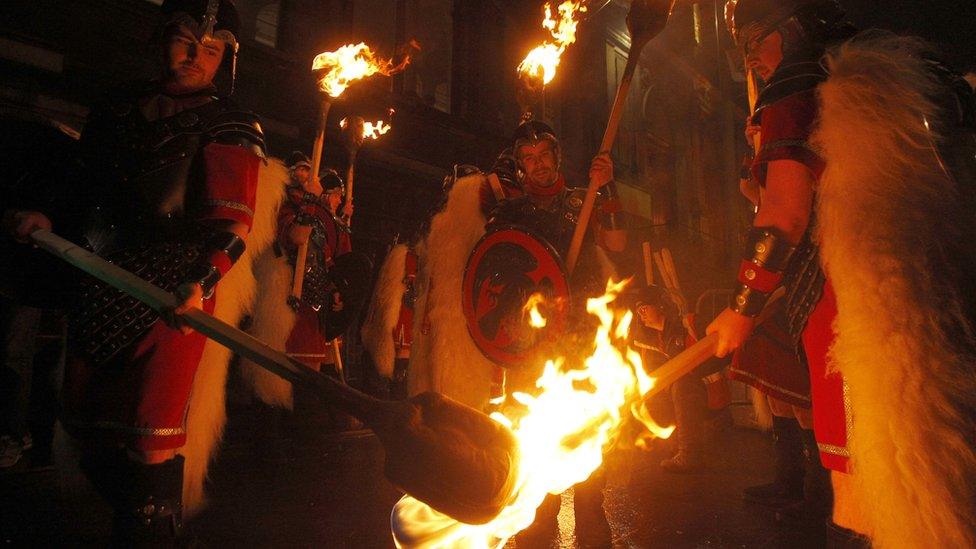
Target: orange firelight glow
542,61
536,320
347,64
371,130
563,430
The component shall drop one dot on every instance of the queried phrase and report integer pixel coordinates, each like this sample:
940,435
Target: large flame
542,61
347,64
562,432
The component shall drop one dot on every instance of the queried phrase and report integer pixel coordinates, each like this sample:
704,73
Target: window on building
259,20
431,23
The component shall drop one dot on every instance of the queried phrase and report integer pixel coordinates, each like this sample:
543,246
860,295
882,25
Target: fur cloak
443,357
271,323
384,311
898,241
207,412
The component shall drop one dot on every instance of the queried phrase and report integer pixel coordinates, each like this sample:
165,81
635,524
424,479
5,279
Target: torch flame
542,61
562,433
347,64
371,130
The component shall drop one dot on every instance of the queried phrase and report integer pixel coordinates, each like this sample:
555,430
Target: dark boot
818,493
592,528
151,511
839,537
690,414
787,485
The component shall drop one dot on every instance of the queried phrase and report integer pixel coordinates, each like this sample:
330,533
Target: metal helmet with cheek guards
214,19
532,132
331,182
805,25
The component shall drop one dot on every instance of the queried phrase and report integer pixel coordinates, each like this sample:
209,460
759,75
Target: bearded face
539,163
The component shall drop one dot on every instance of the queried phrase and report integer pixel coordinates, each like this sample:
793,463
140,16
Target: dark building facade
676,155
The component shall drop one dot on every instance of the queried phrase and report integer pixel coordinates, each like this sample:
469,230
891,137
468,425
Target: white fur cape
207,413
271,323
384,311
443,357
893,232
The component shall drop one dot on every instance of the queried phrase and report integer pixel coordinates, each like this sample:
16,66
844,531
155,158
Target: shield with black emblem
507,267
350,278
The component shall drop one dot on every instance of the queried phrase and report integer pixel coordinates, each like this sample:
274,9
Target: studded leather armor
147,181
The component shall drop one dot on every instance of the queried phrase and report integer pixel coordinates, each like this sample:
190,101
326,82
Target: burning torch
645,20
355,132
539,66
337,70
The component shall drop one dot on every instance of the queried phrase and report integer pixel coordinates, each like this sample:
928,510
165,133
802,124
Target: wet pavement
303,486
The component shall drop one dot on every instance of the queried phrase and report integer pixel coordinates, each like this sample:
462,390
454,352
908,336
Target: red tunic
786,128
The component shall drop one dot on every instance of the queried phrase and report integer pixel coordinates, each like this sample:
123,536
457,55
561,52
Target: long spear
448,455
645,20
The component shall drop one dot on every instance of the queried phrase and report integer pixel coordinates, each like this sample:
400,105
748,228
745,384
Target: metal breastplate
149,177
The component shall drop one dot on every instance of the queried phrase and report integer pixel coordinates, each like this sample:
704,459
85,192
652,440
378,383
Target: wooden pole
298,279
648,263
609,135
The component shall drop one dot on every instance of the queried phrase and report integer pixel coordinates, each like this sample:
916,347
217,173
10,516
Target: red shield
505,269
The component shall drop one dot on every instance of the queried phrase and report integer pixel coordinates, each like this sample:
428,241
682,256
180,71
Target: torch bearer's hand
601,169
751,131
190,295
21,224
732,329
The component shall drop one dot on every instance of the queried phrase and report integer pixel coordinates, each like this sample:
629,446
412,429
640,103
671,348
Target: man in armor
533,194
171,172
888,96
310,214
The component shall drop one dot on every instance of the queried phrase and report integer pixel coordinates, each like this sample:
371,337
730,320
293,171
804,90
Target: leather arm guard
222,250
765,258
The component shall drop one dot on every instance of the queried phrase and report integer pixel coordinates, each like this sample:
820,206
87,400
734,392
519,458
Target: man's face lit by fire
650,317
191,64
538,162
764,52
300,175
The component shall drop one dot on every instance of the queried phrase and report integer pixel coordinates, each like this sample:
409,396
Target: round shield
351,275
510,272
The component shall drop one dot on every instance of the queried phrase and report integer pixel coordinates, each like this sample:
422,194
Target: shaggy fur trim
384,311
896,241
207,413
445,359
272,323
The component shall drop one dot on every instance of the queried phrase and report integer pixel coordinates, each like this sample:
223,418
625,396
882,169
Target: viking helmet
331,182
298,159
803,23
531,132
214,19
